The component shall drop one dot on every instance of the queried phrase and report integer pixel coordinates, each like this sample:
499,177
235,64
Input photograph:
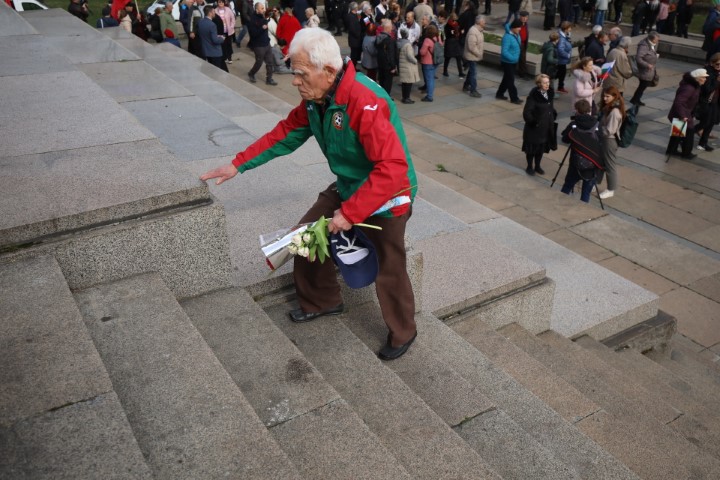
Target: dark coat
387,55
354,29
453,48
708,108
686,99
596,51
539,115
587,123
259,36
564,8
549,62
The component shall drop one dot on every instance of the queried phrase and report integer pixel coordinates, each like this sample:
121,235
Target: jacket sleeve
384,149
285,138
214,38
529,111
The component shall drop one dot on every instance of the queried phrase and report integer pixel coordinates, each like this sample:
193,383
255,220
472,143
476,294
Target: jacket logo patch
371,108
337,120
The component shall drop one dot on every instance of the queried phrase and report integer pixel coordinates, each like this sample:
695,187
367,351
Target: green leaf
311,257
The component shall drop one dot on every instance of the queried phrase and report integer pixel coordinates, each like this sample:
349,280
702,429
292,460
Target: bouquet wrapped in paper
309,240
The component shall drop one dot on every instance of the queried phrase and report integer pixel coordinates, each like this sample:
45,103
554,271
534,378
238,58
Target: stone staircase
142,337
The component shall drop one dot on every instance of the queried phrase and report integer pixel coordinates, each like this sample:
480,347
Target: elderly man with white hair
359,131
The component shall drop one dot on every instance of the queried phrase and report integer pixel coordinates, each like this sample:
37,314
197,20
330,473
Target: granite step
316,428
562,397
685,354
189,417
697,424
658,373
419,438
549,428
59,415
648,447
508,449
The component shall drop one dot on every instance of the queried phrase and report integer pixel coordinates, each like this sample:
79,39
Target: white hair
320,47
625,42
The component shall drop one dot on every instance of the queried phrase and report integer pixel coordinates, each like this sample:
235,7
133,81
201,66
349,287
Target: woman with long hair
613,114
430,37
586,82
539,133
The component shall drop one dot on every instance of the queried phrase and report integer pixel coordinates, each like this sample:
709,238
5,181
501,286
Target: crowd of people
417,41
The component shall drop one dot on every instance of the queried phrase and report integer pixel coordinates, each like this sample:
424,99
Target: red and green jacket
362,139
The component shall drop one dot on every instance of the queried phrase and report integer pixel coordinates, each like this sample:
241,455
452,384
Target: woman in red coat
287,27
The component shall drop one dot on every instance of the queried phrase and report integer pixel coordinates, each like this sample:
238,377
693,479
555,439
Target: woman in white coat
586,82
408,68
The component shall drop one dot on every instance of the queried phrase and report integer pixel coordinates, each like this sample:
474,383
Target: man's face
524,19
312,83
211,14
425,22
656,41
481,23
409,18
168,7
260,8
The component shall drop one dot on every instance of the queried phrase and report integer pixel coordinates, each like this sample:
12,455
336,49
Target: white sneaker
607,194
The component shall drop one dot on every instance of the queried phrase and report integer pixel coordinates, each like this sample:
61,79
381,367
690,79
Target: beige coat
474,44
620,72
408,72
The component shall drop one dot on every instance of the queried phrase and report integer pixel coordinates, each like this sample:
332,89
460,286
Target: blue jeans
240,35
599,17
429,74
471,78
571,178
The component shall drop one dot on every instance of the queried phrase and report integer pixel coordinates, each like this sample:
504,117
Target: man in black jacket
260,41
354,31
386,54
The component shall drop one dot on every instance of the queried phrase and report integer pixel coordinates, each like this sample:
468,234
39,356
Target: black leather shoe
298,316
539,170
388,352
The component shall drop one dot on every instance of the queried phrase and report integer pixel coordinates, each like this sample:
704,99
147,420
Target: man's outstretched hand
226,172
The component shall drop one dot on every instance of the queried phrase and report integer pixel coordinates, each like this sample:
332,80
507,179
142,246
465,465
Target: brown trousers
317,286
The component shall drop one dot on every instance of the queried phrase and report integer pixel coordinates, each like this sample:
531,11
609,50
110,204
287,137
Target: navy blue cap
355,256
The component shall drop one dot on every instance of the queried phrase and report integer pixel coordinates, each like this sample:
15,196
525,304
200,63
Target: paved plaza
662,228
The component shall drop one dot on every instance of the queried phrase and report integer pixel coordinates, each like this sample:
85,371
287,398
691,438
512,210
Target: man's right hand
226,172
